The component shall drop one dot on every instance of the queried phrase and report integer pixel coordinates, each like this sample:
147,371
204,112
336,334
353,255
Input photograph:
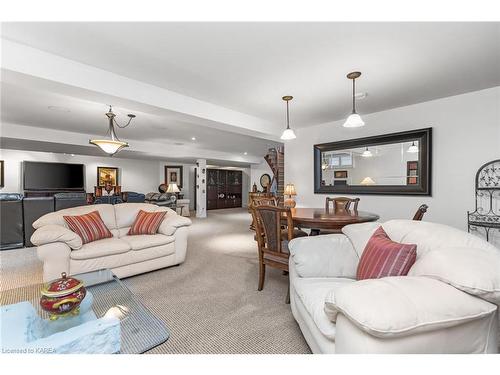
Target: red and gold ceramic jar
62,297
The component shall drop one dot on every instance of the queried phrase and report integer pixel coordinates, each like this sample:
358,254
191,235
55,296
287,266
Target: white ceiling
249,66
29,106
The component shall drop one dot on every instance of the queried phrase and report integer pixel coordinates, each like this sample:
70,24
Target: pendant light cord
287,116
353,96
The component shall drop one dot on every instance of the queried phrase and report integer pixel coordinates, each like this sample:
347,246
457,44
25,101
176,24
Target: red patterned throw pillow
89,227
147,222
383,257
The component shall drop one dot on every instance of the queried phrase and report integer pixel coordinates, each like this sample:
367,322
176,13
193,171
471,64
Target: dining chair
272,240
260,200
420,212
265,201
341,203
272,201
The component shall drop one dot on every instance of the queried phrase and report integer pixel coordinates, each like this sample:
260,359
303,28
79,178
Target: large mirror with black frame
397,163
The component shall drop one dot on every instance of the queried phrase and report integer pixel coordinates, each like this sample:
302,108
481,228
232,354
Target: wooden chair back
265,201
268,220
420,212
342,203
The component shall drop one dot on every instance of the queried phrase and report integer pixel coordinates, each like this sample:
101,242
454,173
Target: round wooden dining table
319,218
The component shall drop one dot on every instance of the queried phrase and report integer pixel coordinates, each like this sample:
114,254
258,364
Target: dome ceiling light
288,133
112,145
354,120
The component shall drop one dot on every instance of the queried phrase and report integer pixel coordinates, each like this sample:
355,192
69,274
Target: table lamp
290,191
367,181
174,189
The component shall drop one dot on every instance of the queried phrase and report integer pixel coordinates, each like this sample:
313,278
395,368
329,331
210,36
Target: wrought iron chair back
486,214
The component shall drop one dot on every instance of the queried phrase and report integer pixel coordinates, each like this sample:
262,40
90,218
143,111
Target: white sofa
447,304
61,250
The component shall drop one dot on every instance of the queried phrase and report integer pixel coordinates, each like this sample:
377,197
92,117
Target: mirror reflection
394,164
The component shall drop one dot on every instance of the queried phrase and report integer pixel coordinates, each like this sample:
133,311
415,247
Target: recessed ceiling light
361,95
193,138
245,153
56,108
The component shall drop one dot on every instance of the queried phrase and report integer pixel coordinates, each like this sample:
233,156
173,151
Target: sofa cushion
359,234
146,223
89,227
312,293
124,259
402,306
101,248
143,241
383,257
428,236
56,233
127,212
475,271
106,211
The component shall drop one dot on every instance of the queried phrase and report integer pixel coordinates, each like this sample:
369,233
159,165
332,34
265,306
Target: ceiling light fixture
367,153
193,138
288,133
245,153
413,148
113,145
354,120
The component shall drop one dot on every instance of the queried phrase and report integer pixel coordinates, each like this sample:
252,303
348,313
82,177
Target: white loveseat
447,304
61,250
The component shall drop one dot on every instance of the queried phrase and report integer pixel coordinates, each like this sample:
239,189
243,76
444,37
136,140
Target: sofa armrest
324,256
55,258
171,222
56,233
401,306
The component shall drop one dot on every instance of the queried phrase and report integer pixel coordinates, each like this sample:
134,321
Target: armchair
433,310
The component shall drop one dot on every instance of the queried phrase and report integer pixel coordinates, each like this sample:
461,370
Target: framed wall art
173,175
340,174
107,175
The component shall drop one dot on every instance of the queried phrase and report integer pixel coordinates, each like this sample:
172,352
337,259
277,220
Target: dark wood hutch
224,188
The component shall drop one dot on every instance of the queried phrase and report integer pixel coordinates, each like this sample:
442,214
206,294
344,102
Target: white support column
201,188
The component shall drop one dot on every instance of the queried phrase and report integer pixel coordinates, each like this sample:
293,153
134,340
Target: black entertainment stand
48,193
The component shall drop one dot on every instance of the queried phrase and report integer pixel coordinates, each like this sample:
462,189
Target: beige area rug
210,303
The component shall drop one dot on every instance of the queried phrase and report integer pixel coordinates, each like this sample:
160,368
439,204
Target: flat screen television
53,176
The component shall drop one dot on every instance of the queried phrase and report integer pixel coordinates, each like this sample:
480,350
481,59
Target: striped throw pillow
383,257
146,223
89,227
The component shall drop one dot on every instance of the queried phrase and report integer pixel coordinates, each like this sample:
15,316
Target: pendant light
113,145
288,133
367,153
354,120
413,149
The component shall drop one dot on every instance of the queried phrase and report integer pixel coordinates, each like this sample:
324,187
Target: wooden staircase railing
276,161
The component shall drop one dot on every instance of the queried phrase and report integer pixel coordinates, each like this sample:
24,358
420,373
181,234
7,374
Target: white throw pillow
359,234
474,271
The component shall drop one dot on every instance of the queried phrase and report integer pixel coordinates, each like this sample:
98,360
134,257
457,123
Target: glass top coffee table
136,329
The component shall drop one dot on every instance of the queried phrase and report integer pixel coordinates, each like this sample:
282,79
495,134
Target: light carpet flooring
210,303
